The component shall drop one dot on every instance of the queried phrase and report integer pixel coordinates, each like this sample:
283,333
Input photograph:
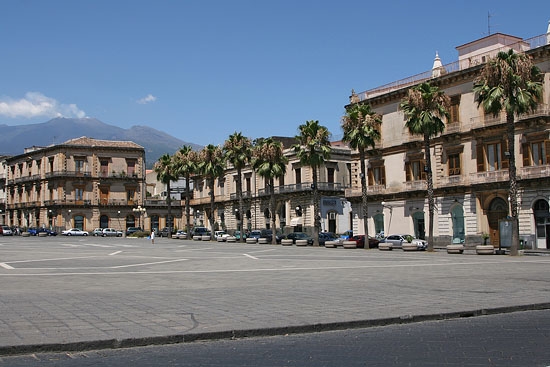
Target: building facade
83,183
293,191
469,159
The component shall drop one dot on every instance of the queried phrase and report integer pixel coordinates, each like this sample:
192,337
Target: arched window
79,222
104,221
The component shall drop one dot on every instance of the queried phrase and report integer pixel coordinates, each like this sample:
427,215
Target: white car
221,235
111,232
182,235
74,232
397,241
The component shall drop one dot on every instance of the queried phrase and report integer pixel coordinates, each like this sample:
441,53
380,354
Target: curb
264,332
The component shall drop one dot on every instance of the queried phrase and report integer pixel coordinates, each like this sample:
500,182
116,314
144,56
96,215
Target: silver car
111,232
74,232
6,231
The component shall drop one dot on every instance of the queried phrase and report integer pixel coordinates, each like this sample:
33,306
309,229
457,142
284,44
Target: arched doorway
419,225
541,211
332,221
498,209
457,217
103,221
130,221
379,224
79,222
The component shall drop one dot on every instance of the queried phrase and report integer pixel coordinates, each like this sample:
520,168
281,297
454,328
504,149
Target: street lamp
140,210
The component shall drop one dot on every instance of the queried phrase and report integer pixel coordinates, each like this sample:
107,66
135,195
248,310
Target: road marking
250,256
6,266
143,264
115,253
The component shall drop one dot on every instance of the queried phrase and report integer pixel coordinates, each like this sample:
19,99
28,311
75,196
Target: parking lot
58,290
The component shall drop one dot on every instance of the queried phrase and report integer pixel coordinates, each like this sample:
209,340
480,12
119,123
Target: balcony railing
415,185
68,174
455,180
534,172
371,190
488,176
162,203
306,186
246,195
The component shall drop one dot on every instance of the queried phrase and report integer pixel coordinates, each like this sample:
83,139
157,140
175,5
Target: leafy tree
510,82
164,169
269,162
424,108
185,163
238,152
211,166
313,149
361,128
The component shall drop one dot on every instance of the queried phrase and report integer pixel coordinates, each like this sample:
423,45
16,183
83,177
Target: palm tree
313,149
510,82
238,151
185,164
164,169
361,128
269,162
211,166
425,107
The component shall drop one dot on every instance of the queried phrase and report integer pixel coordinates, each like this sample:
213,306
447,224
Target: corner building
469,159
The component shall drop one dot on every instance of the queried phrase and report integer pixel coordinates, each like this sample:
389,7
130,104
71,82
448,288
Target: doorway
498,209
541,211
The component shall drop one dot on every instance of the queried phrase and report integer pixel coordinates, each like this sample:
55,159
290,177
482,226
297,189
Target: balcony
488,177
534,172
246,195
68,174
301,187
450,181
161,203
417,185
371,190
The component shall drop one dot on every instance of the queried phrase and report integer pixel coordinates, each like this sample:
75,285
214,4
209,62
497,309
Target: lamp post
140,210
118,218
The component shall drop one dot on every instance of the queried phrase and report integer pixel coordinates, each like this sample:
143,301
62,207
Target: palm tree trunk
241,205
187,209
430,184
513,193
212,209
272,209
364,201
169,204
316,219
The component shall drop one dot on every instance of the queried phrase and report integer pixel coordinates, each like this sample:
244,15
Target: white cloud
147,99
35,104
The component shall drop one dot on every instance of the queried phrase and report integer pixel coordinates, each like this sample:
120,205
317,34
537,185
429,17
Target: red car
360,241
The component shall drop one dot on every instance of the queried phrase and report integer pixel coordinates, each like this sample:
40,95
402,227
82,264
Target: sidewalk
96,297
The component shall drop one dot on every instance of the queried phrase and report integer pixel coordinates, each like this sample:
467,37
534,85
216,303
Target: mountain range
14,139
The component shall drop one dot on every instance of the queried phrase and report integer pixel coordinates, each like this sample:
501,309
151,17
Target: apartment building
83,183
294,196
469,159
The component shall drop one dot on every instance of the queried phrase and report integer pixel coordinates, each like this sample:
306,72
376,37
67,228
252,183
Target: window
454,164
377,175
79,193
130,195
298,175
79,165
104,169
330,175
131,168
414,170
282,180
248,184
536,153
491,156
454,110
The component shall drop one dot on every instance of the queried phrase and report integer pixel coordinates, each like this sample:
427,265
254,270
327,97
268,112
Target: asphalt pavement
83,293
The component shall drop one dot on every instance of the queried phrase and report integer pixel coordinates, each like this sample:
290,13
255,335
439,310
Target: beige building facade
83,183
469,159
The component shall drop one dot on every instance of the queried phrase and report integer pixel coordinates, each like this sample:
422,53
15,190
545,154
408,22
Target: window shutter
371,176
547,151
383,175
408,171
424,174
526,160
480,158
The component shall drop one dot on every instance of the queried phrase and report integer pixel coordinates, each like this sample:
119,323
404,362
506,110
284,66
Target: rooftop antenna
488,23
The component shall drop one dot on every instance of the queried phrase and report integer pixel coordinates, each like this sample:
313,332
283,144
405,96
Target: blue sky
201,70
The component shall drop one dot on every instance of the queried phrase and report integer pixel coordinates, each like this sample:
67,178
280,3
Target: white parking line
250,256
6,266
115,253
143,264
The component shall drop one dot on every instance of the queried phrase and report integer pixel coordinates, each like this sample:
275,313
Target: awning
296,222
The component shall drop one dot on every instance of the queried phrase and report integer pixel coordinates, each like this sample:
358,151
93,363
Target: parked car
238,235
200,231
268,233
131,230
111,232
254,234
165,232
327,236
182,235
74,232
299,236
221,234
397,241
97,232
6,231
346,235
360,241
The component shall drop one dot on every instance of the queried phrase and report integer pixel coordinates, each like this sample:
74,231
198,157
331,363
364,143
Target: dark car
300,236
360,241
165,232
131,230
327,236
268,233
